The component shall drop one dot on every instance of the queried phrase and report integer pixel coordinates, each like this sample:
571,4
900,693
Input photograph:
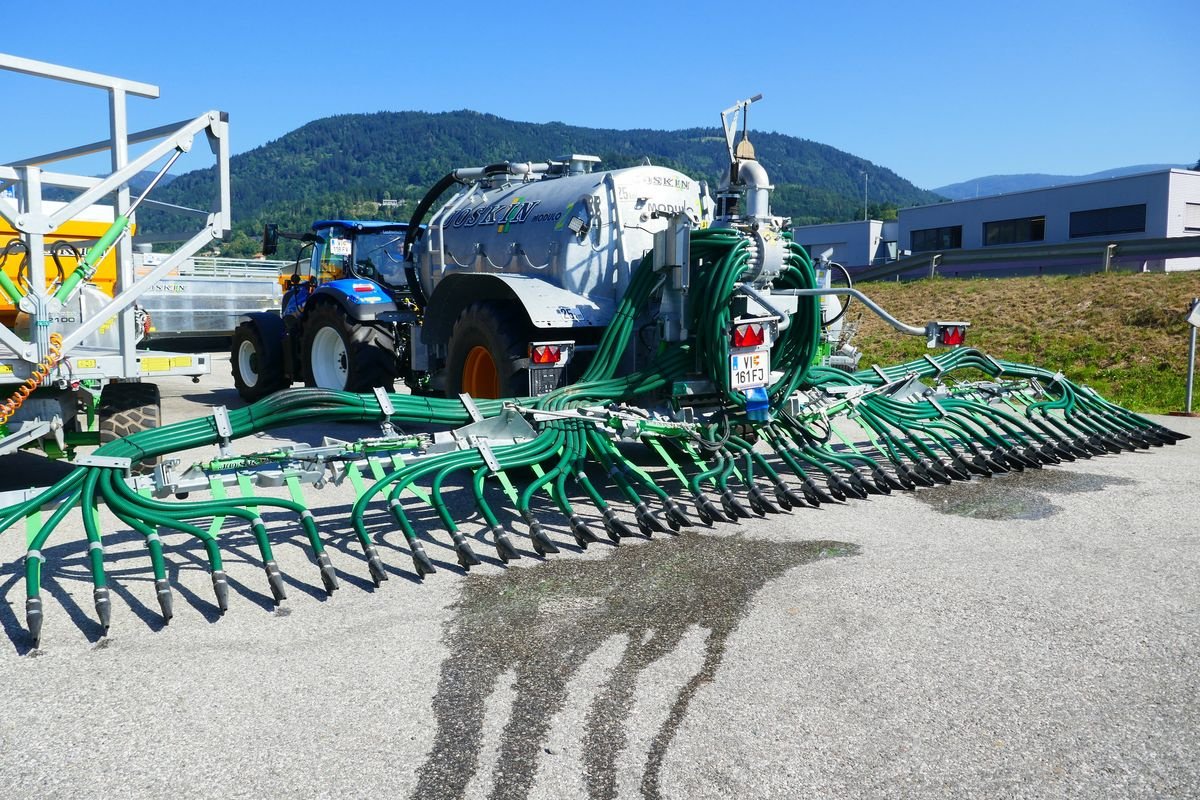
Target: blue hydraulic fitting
758,404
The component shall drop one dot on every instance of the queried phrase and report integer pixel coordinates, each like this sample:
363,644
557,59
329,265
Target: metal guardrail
1103,254
235,267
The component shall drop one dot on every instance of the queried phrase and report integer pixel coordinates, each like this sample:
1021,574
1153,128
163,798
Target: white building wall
1055,203
1183,214
852,244
1171,197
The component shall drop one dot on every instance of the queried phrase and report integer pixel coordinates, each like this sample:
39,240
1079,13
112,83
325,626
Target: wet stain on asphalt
1017,495
542,622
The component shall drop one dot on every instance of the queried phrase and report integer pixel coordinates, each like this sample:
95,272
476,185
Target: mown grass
1123,334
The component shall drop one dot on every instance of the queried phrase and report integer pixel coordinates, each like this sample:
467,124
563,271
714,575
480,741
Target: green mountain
1005,184
344,165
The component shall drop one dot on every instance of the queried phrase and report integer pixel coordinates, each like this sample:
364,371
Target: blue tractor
345,313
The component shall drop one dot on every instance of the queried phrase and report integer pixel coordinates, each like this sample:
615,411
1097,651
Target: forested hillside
345,165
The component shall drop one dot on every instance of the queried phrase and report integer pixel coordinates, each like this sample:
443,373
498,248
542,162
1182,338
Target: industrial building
1153,205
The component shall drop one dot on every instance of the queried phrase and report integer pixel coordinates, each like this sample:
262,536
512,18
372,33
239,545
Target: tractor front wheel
255,373
344,356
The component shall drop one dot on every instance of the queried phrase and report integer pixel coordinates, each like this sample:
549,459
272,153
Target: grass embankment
1122,334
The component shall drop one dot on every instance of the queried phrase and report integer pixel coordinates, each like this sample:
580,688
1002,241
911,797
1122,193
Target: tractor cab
348,250
372,251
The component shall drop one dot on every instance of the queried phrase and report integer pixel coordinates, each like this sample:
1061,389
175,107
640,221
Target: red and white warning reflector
545,354
947,334
549,354
750,334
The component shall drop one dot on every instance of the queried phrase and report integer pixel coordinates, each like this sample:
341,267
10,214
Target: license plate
749,370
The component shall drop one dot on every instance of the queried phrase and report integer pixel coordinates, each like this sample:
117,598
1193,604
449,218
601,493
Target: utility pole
1193,319
866,178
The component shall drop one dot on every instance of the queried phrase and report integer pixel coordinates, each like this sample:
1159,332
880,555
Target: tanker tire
505,335
254,374
127,408
368,354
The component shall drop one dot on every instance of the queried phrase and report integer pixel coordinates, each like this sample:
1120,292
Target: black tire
504,334
127,408
367,360
255,373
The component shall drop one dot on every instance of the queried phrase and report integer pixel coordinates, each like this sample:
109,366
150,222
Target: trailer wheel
127,408
256,373
481,358
343,356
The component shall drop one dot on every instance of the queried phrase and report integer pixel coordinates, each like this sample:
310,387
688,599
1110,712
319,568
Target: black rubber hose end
852,489
1061,451
275,579
616,528
505,548
801,500
815,494
833,485
707,512
162,590
1002,456
677,517
466,556
543,545
781,496
1170,436
33,620
328,576
1047,454
103,606
375,565
1029,457
765,505
915,476
891,480
866,482
734,510
582,533
883,482
648,523
421,561
221,589
969,465
1155,437
934,471
956,469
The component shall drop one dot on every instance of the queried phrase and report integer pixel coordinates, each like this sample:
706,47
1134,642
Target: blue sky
937,91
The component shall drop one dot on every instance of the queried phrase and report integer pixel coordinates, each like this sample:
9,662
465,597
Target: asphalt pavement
1028,635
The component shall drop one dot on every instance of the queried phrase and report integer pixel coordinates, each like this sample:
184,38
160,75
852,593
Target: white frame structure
28,217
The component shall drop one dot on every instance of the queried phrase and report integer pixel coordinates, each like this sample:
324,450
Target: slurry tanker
547,320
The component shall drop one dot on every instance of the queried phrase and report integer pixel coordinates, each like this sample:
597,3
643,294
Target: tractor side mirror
270,243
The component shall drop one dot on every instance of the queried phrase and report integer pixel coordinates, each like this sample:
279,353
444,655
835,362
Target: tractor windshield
380,257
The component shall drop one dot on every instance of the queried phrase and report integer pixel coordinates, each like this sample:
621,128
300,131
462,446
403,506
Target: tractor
342,313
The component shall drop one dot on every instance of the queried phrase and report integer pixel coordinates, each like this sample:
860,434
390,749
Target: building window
1014,231
937,239
1191,216
1106,221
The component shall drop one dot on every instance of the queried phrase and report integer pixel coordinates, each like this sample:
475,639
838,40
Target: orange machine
81,232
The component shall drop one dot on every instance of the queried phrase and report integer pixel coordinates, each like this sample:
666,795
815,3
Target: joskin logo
502,215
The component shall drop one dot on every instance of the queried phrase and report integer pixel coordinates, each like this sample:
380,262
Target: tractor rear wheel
485,345
127,408
255,373
341,355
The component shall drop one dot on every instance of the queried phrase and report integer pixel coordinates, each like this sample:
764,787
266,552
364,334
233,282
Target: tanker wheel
484,345
127,408
255,373
341,355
